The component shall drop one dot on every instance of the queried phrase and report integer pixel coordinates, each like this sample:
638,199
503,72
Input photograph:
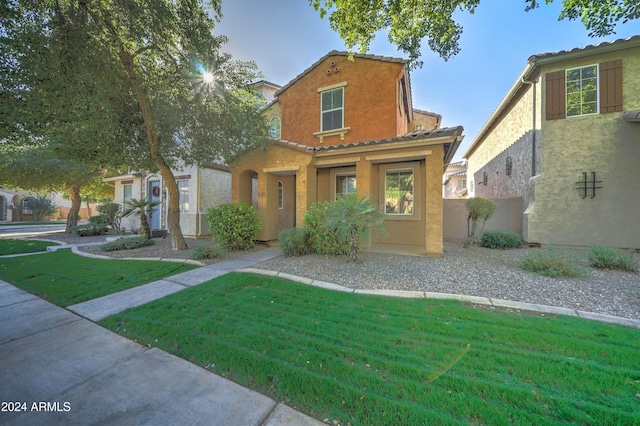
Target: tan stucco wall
510,128
208,188
428,121
370,101
603,143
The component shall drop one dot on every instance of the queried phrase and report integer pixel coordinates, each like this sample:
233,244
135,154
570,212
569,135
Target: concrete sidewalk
100,308
60,368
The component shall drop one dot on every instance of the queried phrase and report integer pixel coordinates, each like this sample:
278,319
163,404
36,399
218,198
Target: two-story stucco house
566,138
348,126
200,188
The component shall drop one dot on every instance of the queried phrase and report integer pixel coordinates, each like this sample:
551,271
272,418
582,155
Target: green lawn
367,360
11,246
66,279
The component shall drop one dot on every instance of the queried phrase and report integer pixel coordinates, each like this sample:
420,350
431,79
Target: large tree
408,22
193,101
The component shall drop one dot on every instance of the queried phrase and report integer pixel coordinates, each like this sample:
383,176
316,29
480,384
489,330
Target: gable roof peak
340,53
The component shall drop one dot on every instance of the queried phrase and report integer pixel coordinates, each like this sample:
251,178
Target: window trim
566,93
323,112
340,171
181,204
415,167
271,121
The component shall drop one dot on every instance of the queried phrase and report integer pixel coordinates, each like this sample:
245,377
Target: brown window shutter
611,86
555,95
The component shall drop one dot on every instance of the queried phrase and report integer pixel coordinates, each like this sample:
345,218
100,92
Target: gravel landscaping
475,271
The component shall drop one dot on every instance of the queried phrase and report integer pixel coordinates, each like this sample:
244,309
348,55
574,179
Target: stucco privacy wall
301,117
507,217
601,143
208,188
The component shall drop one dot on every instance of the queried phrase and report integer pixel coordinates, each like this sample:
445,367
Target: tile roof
614,43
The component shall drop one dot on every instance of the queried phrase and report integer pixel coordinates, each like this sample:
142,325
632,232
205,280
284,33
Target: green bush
552,263
233,226
111,214
611,258
294,242
321,239
500,239
127,244
98,220
206,252
89,230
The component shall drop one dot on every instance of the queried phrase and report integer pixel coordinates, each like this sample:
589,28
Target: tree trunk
173,219
76,202
145,224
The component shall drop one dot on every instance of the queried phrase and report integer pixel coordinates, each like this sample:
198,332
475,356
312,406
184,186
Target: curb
498,303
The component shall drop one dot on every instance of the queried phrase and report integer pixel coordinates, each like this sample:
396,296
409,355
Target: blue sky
284,37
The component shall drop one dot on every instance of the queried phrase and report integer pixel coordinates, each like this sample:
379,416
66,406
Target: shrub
90,230
127,244
500,239
206,252
552,263
233,226
611,258
321,239
478,208
294,242
352,217
40,207
111,214
98,220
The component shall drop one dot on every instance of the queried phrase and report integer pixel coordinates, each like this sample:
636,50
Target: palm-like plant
142,208
352,217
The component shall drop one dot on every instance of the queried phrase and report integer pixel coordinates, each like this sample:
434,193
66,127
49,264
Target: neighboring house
455,180
266,90
200,188
348,126
14,205
566,138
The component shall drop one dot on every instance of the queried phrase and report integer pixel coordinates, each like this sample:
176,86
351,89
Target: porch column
268,206
364,187
306,191
434,203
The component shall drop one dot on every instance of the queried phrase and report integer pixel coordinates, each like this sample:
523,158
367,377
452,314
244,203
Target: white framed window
582,90
183,189
280,196
26,205
332,109
127,192
275,125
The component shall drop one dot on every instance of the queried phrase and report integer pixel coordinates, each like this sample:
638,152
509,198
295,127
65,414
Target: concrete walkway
60,368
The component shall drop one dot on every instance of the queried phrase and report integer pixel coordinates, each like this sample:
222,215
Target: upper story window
274,127
332,109
591,89
582,90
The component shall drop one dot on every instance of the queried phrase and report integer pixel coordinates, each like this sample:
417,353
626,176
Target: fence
507,217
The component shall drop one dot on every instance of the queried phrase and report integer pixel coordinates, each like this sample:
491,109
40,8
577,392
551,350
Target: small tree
478,208
111,214
354,217
40,207
141,208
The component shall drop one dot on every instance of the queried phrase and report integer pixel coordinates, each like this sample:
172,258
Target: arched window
274,128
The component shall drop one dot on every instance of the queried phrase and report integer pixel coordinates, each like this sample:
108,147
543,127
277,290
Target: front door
155,195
